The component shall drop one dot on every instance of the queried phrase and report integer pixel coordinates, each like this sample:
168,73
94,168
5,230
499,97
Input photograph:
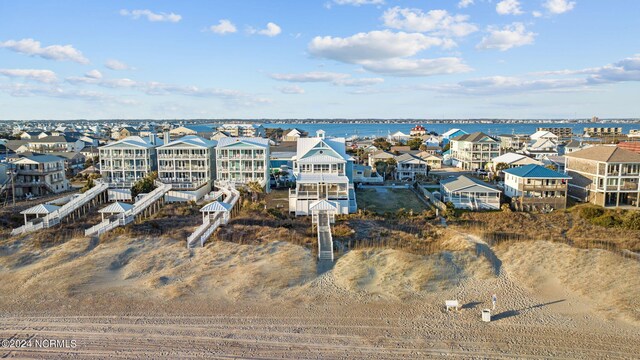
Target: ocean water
372,130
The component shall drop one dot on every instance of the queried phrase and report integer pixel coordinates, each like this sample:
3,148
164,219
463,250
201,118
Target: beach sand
151,298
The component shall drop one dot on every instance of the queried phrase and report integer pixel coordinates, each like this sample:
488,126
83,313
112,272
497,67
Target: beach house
511,160
323,171
38,175
536,188
450,134
604,175
240,160
188,164
409,167
465,192
126,161
473,151
243,130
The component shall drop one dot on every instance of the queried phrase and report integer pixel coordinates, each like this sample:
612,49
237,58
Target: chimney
166,137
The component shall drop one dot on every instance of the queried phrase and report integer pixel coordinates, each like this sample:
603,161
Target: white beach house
128,160
240,160
188,164
323,171
469,193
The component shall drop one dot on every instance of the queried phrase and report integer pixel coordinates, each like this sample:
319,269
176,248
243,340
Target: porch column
25,219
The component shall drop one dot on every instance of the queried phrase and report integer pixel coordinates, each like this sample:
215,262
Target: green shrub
591,212
632,221
606,220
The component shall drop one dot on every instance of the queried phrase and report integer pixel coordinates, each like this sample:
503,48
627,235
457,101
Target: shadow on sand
323,266
510,313
471,305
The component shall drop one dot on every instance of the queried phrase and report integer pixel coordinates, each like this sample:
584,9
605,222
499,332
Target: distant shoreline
350,121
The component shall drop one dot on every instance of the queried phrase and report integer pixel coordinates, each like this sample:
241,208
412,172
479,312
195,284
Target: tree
446,147
386,167
88,185
552,167
382,144
255,188
414,143
144,185
501,166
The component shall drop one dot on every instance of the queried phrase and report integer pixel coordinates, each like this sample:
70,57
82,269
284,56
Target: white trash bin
486,315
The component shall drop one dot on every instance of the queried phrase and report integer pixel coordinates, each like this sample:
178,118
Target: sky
286,59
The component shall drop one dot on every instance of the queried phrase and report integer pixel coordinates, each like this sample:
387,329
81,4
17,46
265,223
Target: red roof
630,145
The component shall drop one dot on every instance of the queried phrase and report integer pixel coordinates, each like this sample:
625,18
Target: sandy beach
151,298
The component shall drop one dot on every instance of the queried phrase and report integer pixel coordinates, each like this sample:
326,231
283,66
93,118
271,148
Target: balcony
534,187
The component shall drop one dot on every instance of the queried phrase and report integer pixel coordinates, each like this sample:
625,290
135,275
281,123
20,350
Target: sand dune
268,300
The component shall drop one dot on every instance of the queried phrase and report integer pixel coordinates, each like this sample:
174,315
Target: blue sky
319,59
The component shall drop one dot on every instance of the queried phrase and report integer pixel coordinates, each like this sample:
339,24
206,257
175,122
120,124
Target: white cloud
151,16
536,14
625,70
340,79
32,47
271,30
386,52
465,3
559,6
419,67
230,97
438,22
509,7
224,27
508,37
358,2
44,76
116,65
291,90
374,45
94,74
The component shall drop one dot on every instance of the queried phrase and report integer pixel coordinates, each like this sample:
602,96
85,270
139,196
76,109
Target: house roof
465,183
322,205
473,137
192,140
41,159
535,171
543,133
605,153
318,158
116,208
216,206
41,209
508,158
336,144
260,142
408,158
573,144
313,178
451,132
135,141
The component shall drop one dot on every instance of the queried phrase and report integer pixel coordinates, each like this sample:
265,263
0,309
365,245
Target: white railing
66,209
130,215
204,231
29,227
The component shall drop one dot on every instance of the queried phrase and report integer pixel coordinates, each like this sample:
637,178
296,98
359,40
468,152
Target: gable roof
116,208
260,142
450,132
466,183
192,140
39,159
605,153
41,209
473,137
543,133
216,206
305,145
135,141
535,171
407,158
